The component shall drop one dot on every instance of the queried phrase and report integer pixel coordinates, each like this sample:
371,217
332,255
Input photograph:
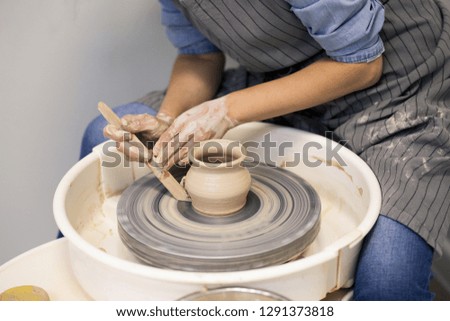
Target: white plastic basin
84,209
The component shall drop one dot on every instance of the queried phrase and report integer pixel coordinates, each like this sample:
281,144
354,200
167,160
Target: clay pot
217,182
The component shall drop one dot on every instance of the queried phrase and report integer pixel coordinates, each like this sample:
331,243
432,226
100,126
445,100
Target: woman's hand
208,120
148,128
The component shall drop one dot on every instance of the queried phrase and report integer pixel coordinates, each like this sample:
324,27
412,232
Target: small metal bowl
233,294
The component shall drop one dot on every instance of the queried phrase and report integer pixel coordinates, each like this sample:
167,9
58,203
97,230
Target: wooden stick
164,176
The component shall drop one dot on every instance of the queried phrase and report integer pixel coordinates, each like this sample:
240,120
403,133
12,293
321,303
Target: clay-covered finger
163,142
183,162
155,133
180,155
168,143
134,152
169,150
139,123
201,135
219,131
117,134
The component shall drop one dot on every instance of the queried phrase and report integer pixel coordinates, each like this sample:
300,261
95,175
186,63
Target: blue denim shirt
348,30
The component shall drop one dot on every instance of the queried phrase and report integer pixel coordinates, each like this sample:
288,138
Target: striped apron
400,126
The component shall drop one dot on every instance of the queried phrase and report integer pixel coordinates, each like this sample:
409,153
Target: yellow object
25,293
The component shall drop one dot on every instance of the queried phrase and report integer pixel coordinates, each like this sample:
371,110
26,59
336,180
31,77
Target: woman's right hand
147,128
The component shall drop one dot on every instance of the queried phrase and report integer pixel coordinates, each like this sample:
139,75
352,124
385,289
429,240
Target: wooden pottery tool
164,176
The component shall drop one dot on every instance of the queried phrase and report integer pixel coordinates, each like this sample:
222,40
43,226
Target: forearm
321,82
194,79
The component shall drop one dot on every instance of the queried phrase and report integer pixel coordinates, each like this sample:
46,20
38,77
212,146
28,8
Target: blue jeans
394,263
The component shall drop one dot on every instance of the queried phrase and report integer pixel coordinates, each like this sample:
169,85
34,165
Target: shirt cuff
198,48
347,30
362,55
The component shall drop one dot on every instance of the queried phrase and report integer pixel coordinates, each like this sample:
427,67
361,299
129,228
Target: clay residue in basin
341,168
360,191
334,164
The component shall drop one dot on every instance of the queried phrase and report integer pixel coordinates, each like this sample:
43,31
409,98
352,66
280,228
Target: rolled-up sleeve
181,33
348,30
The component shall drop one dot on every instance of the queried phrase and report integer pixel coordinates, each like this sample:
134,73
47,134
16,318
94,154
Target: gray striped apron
400,126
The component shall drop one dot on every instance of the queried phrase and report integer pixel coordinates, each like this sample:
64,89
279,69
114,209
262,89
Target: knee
389,284
394,264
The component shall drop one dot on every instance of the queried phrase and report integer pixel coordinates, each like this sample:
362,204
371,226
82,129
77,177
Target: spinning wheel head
280,219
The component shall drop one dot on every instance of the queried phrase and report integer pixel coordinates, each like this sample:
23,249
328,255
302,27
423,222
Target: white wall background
58,58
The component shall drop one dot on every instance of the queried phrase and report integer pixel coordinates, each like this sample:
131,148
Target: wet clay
217,182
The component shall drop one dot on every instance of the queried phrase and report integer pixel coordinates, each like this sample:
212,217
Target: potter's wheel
280,219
